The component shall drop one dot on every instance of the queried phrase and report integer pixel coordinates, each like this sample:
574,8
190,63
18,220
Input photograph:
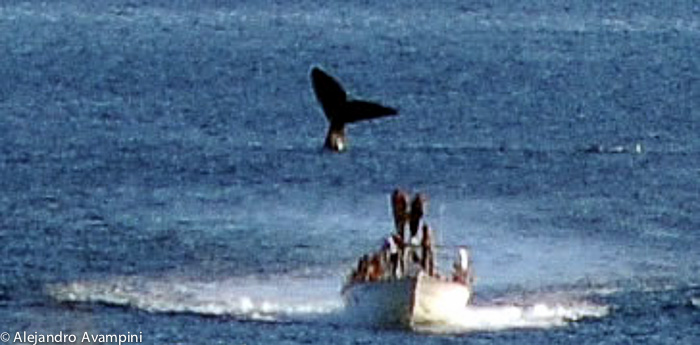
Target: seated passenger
375,270
360,273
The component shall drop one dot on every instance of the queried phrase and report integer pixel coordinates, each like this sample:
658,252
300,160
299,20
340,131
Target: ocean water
161,170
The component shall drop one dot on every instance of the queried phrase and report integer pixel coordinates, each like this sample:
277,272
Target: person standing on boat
418,206
394,248
402,216
427,261
399,204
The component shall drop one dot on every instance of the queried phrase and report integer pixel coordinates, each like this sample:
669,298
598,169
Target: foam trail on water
250,298
511,316
291,298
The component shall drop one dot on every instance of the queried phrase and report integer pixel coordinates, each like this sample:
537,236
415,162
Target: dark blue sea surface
161,168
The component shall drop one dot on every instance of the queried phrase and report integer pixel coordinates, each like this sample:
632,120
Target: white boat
407,301
398,285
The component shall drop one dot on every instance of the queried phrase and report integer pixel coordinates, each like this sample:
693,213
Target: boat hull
410,301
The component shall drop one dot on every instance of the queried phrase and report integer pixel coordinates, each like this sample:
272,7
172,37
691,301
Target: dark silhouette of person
427,260
395,251
360,273
418,208
375,270
399,204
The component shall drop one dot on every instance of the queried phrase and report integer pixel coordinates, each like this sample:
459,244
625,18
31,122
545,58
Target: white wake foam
511,316
251,298
306,299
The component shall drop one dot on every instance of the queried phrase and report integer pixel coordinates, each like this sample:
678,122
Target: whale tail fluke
339,110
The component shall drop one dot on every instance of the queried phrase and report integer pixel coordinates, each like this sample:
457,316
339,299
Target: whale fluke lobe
361,110
328,92
339,110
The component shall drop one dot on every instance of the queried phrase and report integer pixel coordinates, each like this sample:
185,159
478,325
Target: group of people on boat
404,254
